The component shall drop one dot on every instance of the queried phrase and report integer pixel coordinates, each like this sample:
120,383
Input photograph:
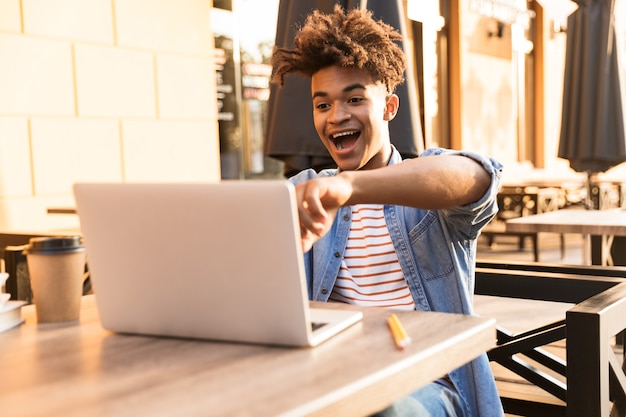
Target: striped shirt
370,274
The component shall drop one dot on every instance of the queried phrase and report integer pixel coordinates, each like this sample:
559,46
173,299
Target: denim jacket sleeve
471,218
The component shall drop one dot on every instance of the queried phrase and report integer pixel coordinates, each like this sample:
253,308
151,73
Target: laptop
217,261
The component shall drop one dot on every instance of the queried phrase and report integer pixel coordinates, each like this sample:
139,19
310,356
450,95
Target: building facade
101,90
175,90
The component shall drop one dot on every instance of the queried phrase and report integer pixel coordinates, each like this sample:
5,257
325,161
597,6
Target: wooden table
605,223
82,369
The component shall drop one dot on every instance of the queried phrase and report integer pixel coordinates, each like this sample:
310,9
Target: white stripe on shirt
370,274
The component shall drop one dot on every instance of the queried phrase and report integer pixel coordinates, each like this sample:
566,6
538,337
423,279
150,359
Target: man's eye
321,106
355,99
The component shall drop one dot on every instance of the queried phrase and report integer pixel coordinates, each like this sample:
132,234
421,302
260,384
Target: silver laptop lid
200,260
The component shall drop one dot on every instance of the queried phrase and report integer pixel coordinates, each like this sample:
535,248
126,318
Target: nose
339,113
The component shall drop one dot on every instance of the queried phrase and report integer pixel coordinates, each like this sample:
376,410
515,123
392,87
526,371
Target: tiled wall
104,90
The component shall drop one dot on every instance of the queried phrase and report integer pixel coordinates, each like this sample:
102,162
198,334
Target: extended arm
431,182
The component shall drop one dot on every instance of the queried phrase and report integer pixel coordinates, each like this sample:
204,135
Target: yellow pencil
400,337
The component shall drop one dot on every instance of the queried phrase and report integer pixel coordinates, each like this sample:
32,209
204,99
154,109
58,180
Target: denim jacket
437,251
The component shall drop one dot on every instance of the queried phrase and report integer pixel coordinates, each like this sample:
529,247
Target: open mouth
346,139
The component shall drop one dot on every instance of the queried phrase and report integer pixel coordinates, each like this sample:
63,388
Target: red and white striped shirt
370,274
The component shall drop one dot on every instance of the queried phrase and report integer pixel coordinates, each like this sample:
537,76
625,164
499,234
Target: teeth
338,135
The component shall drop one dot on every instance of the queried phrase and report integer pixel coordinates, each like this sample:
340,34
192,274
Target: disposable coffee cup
56,267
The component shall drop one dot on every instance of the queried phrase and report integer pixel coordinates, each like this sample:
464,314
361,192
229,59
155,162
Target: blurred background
178,90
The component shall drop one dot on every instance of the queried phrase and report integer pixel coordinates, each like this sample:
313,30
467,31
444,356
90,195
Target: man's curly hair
350,39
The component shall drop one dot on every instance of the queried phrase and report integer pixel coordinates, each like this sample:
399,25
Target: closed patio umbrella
290,134
592,124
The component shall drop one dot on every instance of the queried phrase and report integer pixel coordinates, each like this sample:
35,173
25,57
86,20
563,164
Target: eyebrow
347,89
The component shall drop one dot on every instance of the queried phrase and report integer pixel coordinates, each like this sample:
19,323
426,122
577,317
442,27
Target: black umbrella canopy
592,125
290,135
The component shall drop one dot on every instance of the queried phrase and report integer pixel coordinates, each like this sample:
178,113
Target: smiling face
351,113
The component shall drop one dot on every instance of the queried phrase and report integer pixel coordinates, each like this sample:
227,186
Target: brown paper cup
56,269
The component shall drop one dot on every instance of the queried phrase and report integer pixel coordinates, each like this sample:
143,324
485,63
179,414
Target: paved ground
506,248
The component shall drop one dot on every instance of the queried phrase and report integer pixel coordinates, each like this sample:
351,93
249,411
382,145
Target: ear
391,107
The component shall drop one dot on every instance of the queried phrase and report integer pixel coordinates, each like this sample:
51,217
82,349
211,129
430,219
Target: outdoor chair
516,202
592,372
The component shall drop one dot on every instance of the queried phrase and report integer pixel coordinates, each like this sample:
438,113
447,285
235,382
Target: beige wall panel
39,77
70,150
30,214
15,172
171,151
488,91
114,82
10,19
167,25
90,20
186,87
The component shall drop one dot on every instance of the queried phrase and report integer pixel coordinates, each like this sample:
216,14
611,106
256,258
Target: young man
379,231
